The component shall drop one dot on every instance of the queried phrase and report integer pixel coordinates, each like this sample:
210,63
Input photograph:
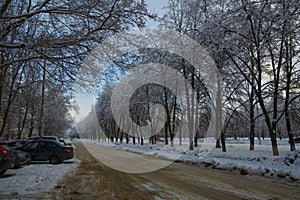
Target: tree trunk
218,112
218,144
166,134
289,131
190,116
270,128
168,122
271,125
252,120
223,141
288,70
121,137
41,124
174,117
127,138
23,123
196,119
3,78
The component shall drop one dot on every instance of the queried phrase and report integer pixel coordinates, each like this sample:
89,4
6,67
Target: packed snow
238,156
36,178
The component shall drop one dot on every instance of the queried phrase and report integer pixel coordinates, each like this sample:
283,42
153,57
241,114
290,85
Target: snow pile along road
280,166
238,157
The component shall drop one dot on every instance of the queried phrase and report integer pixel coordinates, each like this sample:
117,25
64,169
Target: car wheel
2,172
54,160
17,166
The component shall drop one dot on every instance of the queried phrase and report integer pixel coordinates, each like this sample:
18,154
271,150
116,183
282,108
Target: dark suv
44,150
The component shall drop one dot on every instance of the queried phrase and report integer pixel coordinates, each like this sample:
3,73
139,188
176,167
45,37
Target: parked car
296,140
65,141
7,158
19,157
48,150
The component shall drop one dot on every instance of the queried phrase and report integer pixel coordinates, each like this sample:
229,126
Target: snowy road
94,180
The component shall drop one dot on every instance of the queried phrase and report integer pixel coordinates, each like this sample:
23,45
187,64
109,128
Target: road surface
95,180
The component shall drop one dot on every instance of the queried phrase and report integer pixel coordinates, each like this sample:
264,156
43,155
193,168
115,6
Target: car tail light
68,150
3,151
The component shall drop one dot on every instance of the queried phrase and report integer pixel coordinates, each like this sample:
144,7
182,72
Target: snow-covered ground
41,177
238,157
35,178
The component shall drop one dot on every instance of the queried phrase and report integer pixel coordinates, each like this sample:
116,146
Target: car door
46,149
32,149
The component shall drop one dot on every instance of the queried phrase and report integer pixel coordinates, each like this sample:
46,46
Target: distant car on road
296,140
48,150
65,141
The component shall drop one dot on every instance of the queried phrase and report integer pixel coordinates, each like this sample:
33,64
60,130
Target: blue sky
156,6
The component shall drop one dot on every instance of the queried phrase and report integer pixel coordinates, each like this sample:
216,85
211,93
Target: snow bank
238,157
280,166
